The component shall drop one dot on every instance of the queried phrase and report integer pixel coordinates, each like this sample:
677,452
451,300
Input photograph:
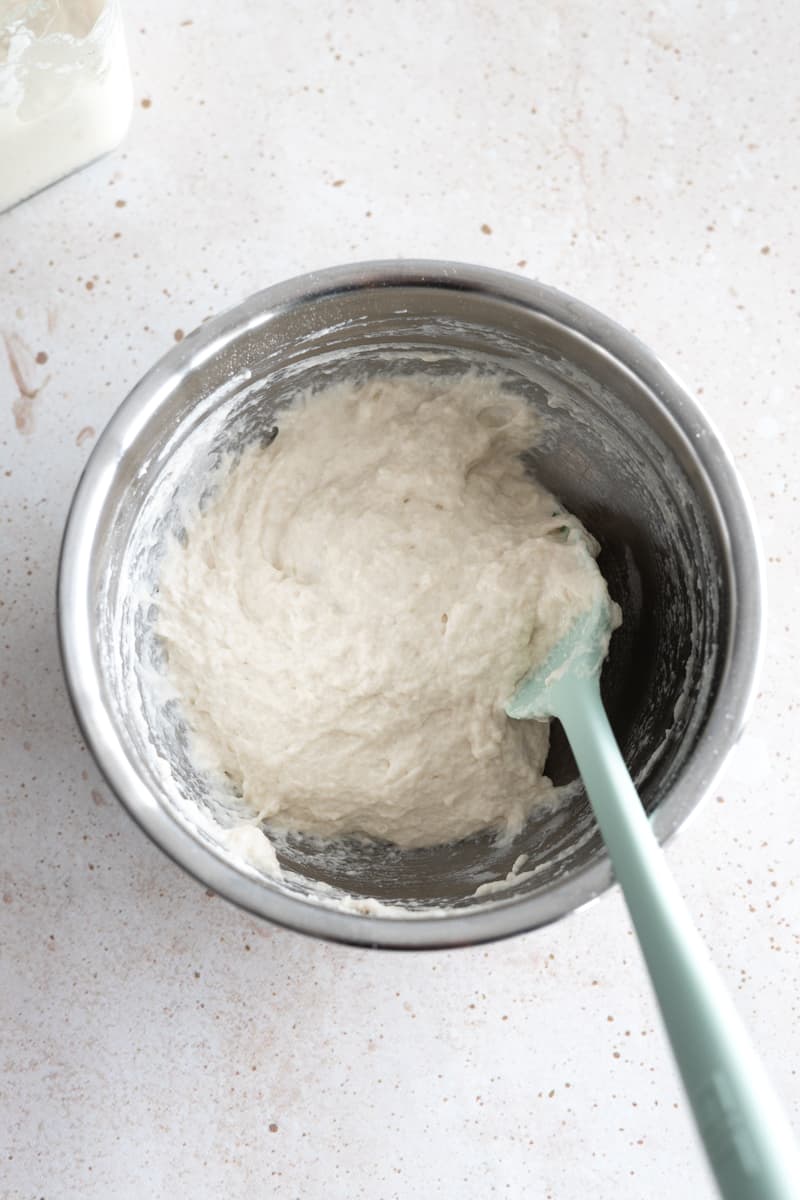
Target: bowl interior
608,449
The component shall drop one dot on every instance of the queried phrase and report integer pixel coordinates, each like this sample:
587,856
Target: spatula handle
747,1136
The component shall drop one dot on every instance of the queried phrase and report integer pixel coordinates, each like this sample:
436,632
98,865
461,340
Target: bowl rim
255,893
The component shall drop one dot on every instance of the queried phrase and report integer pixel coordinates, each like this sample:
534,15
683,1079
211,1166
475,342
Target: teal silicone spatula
747,1136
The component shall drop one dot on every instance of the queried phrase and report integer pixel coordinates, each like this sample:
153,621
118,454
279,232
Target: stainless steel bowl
623,445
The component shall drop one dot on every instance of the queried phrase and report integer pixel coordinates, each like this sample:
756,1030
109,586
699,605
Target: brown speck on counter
89,285
41,358
765,249
22,408
120,203
273,1128
338,183
98,798
84,435
145,102
487,229
178,335
523,262
185,23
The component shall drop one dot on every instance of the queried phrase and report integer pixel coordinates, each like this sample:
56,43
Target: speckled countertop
156,1041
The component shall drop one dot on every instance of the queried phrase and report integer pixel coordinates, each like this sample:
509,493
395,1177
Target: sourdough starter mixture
350,612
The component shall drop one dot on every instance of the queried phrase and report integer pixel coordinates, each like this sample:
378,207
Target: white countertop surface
156,1041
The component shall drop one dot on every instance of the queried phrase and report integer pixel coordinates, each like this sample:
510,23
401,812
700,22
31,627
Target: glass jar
65,90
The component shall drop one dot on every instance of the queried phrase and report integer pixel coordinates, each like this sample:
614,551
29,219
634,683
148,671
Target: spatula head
577,655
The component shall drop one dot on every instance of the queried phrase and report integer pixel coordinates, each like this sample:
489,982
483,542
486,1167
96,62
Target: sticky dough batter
358,600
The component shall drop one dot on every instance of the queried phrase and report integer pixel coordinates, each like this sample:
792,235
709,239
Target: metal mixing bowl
623,446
